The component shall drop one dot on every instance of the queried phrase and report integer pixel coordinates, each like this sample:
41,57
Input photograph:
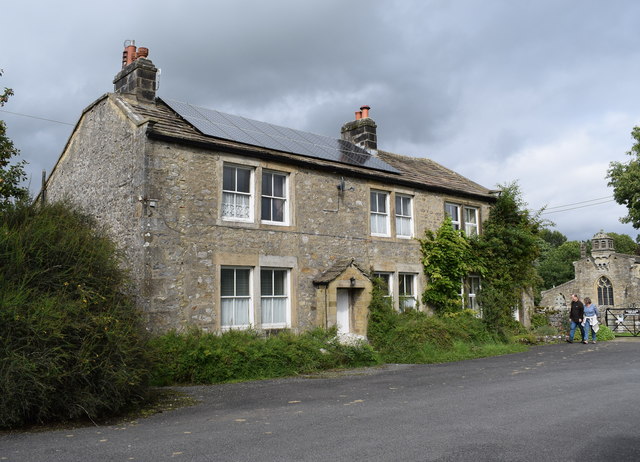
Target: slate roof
336,270
417,172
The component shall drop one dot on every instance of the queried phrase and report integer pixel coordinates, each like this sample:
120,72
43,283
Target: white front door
342,318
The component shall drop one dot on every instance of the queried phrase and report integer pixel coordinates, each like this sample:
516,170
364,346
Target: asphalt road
555,402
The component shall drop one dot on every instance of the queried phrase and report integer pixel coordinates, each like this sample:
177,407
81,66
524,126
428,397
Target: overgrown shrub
197,357
604,333
539,319
383,319
545,330
71,342
416,337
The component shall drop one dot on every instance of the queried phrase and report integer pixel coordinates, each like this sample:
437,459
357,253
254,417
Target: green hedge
197,357
603,334
71,342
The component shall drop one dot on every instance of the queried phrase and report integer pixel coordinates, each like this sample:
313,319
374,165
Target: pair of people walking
585,316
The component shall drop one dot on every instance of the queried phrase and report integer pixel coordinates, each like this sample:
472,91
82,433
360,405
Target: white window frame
407,300
404,215
272,197
471,227
225,206
388,278
459,214
264,299
474,284
451,209
376,215
235,299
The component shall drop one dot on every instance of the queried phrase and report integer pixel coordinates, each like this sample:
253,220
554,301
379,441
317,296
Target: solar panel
262,134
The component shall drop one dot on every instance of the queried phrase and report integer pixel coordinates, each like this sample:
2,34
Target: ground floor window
238,304
407,291
274,297
235,296
387,283
472,289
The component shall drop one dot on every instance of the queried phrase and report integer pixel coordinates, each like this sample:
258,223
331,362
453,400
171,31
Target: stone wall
101,171
190,241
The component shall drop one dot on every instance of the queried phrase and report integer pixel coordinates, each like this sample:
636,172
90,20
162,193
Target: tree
555,266
508,247
553,238
447,258
10,175
624,177
623,243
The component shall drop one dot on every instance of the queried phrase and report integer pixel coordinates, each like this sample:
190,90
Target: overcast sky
540,92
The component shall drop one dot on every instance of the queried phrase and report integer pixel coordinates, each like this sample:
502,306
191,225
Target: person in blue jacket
590,321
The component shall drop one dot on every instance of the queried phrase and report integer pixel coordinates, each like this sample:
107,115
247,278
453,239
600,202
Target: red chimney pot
142,52
365,111
129,53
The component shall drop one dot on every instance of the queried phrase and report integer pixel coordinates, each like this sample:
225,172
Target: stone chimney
362,131
138,74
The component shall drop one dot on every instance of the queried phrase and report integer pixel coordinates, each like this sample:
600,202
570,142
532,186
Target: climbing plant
447,258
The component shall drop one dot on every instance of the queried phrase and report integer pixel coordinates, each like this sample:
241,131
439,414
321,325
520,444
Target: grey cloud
460,81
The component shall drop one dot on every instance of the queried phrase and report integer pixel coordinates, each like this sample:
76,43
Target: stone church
610,279
232,223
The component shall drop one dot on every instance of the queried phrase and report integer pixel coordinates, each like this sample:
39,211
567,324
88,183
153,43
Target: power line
578,203
579,207
35,117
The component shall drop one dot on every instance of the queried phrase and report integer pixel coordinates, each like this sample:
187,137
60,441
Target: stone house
228,222
610,279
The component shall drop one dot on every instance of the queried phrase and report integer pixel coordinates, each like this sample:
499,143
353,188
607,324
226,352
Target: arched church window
605,291
596,244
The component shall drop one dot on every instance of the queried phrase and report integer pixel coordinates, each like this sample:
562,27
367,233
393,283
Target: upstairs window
471,221
454,212
379,213
404,222
237,193
463,218
274,198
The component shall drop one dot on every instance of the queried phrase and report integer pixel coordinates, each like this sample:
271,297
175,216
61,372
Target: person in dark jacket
576,315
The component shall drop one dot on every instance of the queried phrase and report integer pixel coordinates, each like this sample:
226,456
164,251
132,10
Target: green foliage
382,317
623,243
71,343
604,334
624,177
447,258
415,337
555,265
539,320
508,248
197,357
553,238
10,175
545,330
